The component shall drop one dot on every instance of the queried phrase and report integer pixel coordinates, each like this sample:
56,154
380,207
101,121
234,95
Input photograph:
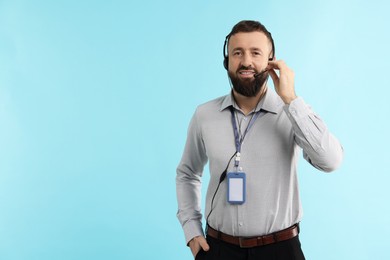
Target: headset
226,56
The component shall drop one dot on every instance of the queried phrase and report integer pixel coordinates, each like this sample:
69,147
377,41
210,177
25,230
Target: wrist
288,100
190,242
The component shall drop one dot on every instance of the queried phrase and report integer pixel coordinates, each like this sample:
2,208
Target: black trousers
285,250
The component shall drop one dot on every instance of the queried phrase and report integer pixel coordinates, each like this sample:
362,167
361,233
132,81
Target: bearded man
252,139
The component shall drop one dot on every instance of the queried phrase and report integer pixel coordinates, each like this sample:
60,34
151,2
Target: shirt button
240,224
293,112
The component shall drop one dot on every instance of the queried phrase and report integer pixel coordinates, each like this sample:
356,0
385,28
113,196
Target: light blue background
96,97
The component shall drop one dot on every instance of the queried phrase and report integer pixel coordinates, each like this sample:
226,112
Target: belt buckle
240,240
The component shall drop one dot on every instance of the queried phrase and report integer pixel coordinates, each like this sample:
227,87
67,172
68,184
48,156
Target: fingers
203,243
276,64
282,68
283,78
273,75
197,243
194,246
272,66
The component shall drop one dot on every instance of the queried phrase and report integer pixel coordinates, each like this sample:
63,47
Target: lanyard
238,141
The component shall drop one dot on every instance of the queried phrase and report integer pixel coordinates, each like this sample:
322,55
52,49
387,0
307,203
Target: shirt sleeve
320,148
188,182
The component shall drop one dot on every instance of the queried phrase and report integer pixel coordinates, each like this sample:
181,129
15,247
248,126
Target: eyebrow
252,49
256,49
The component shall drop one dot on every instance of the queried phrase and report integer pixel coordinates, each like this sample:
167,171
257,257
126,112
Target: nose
246,60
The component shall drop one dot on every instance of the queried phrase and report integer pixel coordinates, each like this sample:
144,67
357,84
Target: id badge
236,187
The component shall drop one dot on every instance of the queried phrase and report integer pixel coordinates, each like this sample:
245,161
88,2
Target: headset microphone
260,73
264,71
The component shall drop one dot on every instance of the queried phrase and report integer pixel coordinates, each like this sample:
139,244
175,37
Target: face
248,55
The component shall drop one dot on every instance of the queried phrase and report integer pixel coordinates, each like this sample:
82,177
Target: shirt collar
270,102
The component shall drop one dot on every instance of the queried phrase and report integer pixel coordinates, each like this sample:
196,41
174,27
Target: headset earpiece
226,63
225,54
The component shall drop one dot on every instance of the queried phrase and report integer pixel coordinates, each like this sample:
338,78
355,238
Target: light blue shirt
269,156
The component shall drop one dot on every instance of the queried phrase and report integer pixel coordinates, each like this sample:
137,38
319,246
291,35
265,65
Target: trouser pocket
200,255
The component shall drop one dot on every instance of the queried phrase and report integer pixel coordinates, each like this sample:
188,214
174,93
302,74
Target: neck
248,104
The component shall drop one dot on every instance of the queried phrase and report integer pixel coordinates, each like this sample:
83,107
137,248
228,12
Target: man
252,139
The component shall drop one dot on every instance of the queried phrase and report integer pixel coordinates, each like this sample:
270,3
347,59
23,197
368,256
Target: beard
248,87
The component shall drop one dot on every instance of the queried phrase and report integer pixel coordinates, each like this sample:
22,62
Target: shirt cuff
297,108
192,228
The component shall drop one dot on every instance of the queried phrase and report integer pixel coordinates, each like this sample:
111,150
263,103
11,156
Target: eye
257,53
237,53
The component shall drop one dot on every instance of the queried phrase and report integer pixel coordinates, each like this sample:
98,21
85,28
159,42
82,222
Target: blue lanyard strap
238,141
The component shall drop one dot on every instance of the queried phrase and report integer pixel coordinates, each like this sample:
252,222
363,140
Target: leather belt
247,242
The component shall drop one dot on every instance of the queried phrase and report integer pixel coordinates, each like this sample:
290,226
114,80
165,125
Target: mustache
257,74
242,67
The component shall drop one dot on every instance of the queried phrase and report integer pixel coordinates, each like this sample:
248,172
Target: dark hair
247,26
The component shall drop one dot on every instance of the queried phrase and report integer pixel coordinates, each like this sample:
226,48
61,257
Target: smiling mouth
246,73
